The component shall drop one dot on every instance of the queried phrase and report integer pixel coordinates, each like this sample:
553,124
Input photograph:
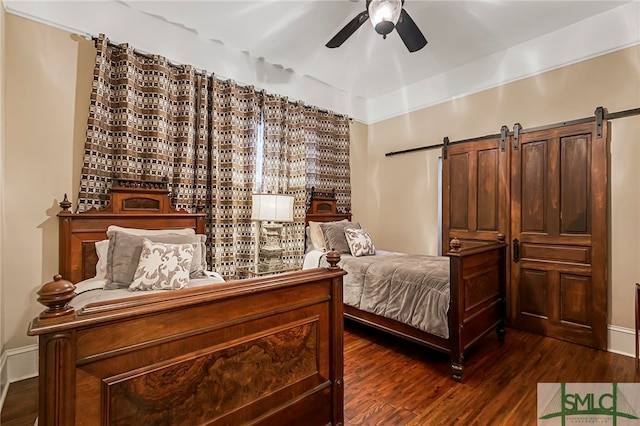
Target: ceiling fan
385,16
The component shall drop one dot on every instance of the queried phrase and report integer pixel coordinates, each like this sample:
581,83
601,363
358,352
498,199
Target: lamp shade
272,207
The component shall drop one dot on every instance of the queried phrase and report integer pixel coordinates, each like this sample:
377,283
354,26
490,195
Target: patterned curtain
327,152
152,119
284,167
143,122
235,116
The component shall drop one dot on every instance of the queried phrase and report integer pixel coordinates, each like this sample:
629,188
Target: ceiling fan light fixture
384,15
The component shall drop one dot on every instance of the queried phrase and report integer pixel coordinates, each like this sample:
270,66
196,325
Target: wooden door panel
559,217
574,254
541,238
574,205
459,192
487,200
534,173
574,297
475,191
533,293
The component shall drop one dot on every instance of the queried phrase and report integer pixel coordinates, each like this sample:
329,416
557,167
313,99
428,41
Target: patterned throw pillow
124,254
162,266
359,241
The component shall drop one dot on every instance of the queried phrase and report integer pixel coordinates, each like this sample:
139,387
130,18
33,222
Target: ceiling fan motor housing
384,27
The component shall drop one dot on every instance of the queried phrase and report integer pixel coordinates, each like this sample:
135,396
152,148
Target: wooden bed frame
477,302
259,351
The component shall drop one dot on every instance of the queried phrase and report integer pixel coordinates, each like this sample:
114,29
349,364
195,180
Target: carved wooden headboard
323,208
133,204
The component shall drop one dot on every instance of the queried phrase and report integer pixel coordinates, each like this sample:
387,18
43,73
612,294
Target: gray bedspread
413,289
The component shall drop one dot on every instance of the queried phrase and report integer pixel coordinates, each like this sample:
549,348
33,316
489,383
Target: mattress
92,290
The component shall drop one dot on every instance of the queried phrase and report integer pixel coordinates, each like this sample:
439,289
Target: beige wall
48,74
401,198
358,161
49,71
2,295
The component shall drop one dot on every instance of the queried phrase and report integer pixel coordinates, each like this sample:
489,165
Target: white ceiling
272,43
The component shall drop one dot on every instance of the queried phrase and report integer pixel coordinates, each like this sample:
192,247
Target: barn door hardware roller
516,135
503,138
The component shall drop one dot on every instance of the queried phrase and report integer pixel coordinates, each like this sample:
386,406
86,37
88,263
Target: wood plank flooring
21,404
389,381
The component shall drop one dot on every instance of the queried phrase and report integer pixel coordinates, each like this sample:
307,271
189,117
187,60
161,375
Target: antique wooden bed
477,292
258,351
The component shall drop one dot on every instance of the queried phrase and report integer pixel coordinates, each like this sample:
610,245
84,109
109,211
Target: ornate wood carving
141,204
216,383
56,380
322,208
56,295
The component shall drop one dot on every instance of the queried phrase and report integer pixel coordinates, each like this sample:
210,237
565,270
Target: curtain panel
143,122
152,119
327,155
284,167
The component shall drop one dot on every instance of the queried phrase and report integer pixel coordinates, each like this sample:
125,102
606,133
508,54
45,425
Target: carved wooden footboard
477,303
477,280
261,351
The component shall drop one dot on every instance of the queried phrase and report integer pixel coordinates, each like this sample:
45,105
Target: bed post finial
65,204
55,295
333,257
501,238
454,245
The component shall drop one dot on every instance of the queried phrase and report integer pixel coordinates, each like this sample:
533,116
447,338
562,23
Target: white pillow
102,250
162,266
360,243
138,231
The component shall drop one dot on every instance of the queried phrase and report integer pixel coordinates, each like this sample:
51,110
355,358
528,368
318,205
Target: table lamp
270,210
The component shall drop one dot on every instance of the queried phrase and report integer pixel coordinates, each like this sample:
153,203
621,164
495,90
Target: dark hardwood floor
21,405
389,381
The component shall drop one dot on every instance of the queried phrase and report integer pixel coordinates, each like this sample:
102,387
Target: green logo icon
588,403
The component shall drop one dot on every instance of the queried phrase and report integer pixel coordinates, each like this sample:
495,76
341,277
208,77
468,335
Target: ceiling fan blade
348,29
410,33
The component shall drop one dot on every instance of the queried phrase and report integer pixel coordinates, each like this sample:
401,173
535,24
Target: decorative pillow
317,237
162,266
102,250
334,235
138,231
308,245
124,254
359,241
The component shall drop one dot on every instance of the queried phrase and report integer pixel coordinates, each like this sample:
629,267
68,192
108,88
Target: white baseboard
22,363
4,378
622,340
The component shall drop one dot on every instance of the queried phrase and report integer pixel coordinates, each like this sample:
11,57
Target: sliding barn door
558,233
475,191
